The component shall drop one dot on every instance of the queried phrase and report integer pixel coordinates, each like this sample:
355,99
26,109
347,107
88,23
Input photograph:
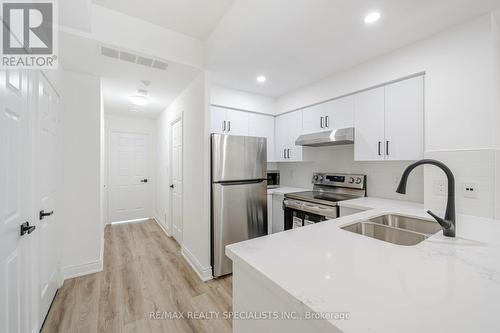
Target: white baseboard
82,269
205,273
162,225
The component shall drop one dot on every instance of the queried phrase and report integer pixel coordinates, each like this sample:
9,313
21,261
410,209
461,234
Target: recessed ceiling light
261,79
372,17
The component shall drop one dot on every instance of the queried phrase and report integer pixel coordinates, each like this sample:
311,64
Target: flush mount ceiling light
261,79
372,17
140,98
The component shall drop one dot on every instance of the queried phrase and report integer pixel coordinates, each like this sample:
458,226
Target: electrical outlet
440,187
469,190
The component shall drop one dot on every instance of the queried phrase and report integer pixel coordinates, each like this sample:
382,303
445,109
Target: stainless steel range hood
342,136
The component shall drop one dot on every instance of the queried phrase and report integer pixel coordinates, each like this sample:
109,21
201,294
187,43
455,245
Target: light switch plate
440,187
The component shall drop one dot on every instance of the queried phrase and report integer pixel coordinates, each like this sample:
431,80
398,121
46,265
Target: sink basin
385,233
408,223
396,229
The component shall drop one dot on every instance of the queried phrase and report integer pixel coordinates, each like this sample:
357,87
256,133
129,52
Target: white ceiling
297,42
195,18
121,79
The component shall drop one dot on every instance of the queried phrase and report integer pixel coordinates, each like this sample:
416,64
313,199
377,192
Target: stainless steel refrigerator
239,194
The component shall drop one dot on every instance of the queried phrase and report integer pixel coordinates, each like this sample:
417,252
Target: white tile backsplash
383,177
468,166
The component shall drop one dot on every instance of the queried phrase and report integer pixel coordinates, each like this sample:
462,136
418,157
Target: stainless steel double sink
396,229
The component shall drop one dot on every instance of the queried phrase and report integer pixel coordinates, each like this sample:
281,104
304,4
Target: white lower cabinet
288,129
269,213
261,125
278,216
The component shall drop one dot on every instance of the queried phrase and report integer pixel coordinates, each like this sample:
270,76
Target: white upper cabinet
288,129
389,122
237,122
227,121
335,114
314,119
369,125
263,126
339,113
404,120
218,121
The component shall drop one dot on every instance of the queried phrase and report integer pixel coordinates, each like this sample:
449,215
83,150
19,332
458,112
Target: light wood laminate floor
144,272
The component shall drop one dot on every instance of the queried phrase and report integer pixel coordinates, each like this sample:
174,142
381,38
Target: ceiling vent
133,58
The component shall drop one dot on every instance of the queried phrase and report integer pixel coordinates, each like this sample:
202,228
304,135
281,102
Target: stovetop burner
320,197
330,188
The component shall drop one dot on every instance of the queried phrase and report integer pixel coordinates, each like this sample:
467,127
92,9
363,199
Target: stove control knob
315,178
320,178
358,180
351,180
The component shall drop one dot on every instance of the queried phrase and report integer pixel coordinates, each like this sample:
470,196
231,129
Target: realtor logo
28,34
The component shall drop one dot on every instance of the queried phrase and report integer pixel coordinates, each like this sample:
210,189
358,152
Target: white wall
241,100
134,125
193,105
461,95
382,177
81,215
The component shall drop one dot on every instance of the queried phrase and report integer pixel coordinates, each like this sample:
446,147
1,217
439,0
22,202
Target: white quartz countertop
440,285
286,189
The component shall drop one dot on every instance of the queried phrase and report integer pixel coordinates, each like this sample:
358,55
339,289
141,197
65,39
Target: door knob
43,214
144,181
172,186
26,228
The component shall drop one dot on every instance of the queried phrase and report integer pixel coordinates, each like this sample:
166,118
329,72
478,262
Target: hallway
144,272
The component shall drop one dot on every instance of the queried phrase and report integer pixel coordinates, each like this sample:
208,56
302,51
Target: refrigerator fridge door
238,158
239,212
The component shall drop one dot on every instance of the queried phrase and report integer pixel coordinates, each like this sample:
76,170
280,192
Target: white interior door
176,179
15,166
49,118
129,167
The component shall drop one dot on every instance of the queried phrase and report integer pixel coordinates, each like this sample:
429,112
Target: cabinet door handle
224,126
379,150
387,147
321,122
42,214
284,153
327,121
288,153
229,126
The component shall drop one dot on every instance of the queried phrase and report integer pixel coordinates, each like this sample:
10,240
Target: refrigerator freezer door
238,158
239,212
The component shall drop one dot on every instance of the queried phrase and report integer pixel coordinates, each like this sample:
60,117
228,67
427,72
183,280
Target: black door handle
26,228
144,181
43,214
172,186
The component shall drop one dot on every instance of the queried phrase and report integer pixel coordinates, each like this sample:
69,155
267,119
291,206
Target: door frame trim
178,118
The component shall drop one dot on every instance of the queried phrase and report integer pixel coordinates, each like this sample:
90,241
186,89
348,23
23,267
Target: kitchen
256,165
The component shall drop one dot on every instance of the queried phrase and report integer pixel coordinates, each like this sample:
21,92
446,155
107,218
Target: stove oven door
299,213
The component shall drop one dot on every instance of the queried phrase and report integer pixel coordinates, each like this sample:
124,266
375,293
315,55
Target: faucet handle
444,223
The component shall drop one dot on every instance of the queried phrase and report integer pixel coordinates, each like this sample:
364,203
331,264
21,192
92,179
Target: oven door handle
329,212
292,204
